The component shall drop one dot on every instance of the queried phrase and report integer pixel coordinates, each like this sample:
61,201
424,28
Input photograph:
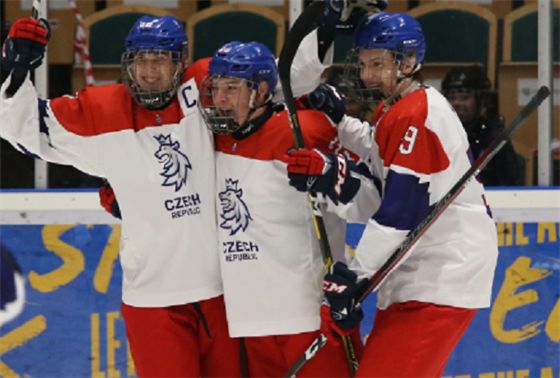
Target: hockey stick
19,73
302,26
437,210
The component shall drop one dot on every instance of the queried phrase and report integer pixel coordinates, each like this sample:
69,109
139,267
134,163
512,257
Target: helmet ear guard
261,89
411,60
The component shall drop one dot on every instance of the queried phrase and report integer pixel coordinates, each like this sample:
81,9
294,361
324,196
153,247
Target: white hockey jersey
272,267
161,167
420,148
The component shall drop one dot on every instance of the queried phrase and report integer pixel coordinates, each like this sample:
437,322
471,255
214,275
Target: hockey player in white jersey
419,148
270,258
142,135
147,137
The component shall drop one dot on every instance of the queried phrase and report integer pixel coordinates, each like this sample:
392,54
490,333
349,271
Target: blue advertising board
519,335
71,324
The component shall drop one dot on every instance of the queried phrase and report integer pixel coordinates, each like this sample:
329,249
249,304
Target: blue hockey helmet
155,38
252,61
396,32
157,33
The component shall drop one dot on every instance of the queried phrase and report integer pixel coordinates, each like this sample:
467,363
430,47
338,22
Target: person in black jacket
467,88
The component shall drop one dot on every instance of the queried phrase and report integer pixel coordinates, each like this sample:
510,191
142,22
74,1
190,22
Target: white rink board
53,207
524,205
82,207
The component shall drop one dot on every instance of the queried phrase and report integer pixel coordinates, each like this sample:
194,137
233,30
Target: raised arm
29,123
316,51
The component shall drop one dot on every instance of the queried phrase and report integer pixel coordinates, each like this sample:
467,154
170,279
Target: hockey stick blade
443,203
307,355
19,73
36,9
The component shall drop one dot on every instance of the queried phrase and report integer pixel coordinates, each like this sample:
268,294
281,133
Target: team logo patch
175,163
234,211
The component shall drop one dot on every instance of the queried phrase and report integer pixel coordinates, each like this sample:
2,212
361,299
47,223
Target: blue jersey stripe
405,203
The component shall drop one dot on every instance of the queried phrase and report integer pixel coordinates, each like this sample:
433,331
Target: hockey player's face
464,103
231,98
378,70
154,71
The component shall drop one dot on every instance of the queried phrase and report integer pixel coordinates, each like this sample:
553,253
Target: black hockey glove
329,100
330,174
340,311
25,46
343,16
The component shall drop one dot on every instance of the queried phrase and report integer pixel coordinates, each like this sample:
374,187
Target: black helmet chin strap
254,108
250,126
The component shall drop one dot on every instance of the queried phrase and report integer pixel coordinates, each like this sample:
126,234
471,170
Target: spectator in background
467,88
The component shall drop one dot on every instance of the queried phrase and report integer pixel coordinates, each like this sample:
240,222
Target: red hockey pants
413,339
272,356
173,341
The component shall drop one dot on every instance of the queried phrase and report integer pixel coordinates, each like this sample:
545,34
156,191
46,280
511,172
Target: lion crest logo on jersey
175,163
235,212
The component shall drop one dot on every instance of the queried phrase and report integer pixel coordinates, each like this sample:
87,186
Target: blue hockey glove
330,174
343,16
329,100
340,312
24,48
109,201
